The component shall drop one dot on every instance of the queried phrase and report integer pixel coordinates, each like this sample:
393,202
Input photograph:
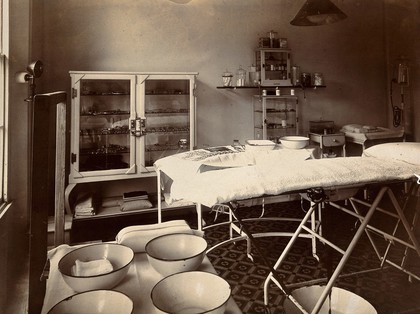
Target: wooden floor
17,301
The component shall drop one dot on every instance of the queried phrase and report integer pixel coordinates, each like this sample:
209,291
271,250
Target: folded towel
85,200
86,204
135,205
358,128
136,237
91,268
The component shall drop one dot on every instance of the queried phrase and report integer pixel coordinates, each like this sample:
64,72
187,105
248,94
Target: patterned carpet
388,289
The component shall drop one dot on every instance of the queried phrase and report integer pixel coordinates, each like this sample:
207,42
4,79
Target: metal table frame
364,227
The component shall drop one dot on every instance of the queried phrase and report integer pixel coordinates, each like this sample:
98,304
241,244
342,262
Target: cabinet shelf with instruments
296,87
275,116
122,122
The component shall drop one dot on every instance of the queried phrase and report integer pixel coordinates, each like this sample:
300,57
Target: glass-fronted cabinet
101,139
274,66
123,122
275,116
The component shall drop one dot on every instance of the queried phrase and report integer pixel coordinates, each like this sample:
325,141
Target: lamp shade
318,12
181,1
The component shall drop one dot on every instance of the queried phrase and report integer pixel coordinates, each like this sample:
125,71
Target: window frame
4,81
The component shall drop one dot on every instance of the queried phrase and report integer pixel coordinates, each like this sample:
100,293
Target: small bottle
273,39
295,75
183,143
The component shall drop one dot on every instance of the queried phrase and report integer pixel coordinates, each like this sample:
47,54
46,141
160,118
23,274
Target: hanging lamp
181,1
318,12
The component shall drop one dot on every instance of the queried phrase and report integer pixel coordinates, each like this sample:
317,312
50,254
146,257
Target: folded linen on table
379,133
358,128
91,268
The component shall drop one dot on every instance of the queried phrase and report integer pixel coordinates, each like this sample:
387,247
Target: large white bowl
177,252
342,301
120,257
294,142
95,302
191,292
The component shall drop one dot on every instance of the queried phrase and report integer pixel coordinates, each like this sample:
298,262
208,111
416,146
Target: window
4,18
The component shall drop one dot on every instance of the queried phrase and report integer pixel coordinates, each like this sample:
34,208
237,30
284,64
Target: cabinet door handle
138,127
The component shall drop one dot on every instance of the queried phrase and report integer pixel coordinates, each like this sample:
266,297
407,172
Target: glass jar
227,78
306,79
240,77
254,76
318,79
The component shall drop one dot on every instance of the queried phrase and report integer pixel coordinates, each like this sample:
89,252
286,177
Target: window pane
2,130
4,19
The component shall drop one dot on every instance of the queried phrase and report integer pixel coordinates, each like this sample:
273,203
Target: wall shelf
270,87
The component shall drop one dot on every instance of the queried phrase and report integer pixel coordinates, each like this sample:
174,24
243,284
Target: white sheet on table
221,186
195,162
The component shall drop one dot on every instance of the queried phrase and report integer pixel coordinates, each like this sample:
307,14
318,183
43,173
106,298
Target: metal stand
364,227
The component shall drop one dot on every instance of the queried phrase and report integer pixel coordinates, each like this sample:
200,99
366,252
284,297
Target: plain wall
402,25
210,36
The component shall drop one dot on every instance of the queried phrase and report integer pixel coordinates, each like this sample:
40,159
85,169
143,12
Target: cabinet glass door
167,111
104,142
274,65
259,118
275,117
